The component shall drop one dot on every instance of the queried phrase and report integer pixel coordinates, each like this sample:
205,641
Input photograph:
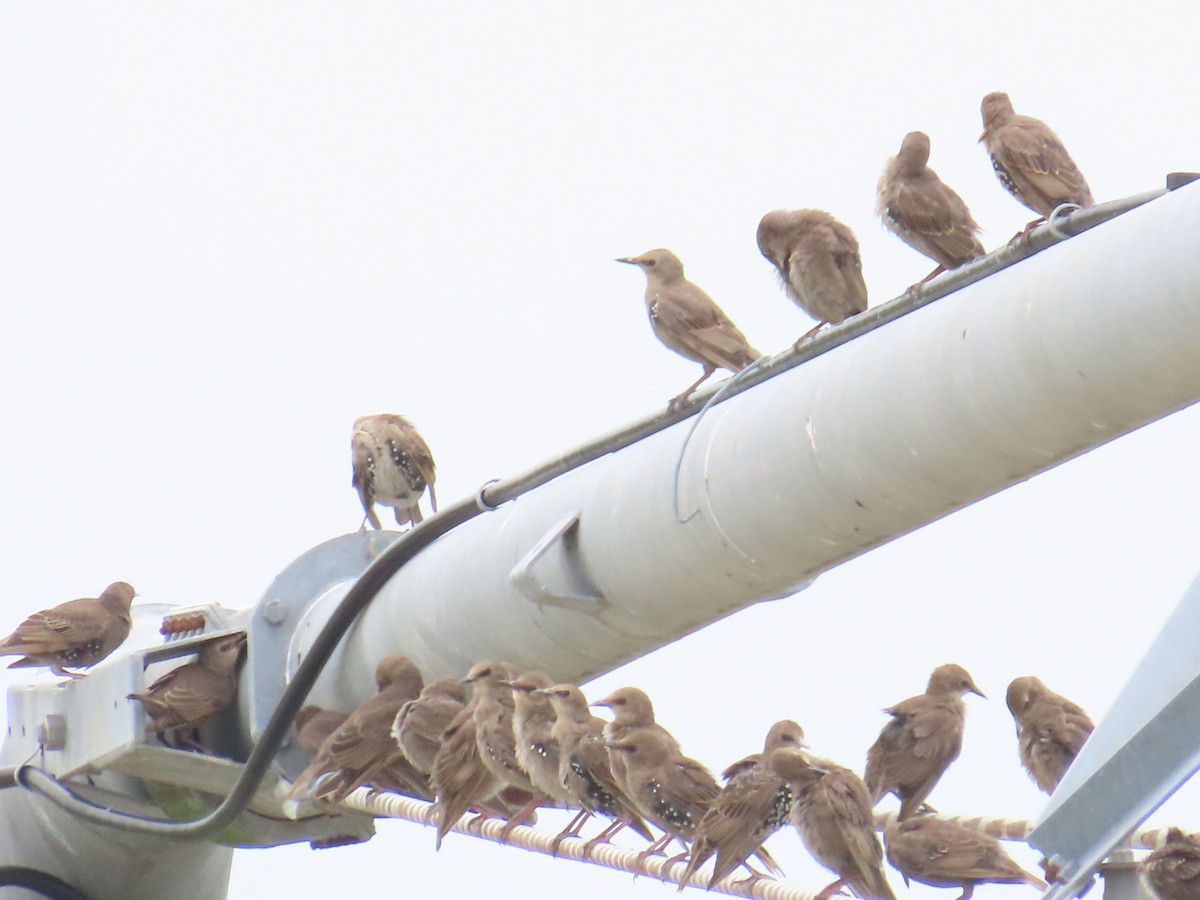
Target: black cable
258,764
39,882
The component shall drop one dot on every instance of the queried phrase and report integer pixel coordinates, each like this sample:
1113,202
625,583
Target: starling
941,853
190,694
1173,870
420,724
533,725
688,321
1051,730
585,769
1030,160
671,790
361,750
917,207
632,711
924,736
818,263
459,777
832,813
392,466
752,806
78,633
314,724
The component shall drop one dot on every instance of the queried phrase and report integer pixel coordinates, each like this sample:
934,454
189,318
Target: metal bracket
553,573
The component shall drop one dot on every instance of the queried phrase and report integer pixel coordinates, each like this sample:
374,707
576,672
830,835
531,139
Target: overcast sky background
230,229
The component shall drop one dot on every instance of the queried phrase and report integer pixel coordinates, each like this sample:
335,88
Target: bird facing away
818,263
752,806
671,790
361,748
916,206
833,815
194,692
1173,869
78,633
1051,730
941,853
419,725
392,467
1029,159
459,777
585,769
924,736
688,321
314,724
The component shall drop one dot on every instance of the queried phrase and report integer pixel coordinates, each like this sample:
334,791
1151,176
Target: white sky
230,229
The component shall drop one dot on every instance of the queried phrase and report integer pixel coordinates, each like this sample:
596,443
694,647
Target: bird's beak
977,692
632,260
466,679
603,703
624,748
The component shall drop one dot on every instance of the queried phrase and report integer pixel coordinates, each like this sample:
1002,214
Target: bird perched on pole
78,633
818,263
632,711
671,790
688,321
923,737
420,723
752,806
362,748
392,467
538,752
191,694
916,206
1051,730
833,814
585,768
1173,869
1029,159
941,853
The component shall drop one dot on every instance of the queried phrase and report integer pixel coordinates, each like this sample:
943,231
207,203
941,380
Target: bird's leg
58,670
754,877
808,335
1022,236
676,402
520,816
655,849
968,890
934,274
830,889
572,830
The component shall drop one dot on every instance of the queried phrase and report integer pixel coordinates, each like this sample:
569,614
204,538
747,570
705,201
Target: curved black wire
258,764
39,882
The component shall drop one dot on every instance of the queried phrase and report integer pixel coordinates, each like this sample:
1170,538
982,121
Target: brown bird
361,750
632,711
78,633
496,736
585,769
941,853
459,777
1029,159
1173,869
924,736
538,752
392,467
752,806
833,814
818,263
917,207
420,724
190,694
1051,730
688,321
671,790
314,724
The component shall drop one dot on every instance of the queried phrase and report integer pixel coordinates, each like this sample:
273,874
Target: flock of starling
503,743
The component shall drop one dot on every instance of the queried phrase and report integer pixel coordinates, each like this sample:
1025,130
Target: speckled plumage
1173,869
392,466
671,790
1029,159
78,633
